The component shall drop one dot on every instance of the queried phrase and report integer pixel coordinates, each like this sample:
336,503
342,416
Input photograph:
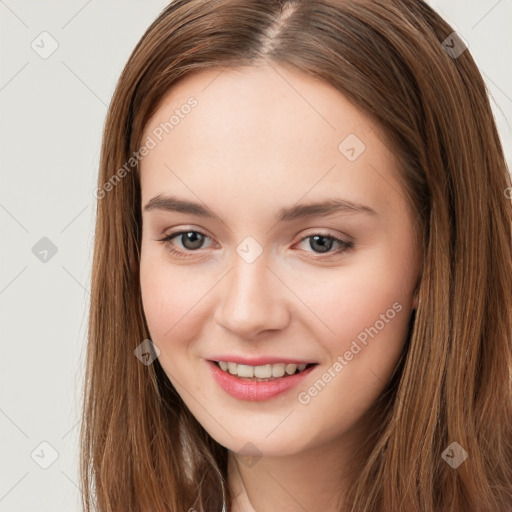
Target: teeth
263,372
278,370
290,369
245,370
267,371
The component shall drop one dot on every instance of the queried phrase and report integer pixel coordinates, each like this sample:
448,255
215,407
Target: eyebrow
300,211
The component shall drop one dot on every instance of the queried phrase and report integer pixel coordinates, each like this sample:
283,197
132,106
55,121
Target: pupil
322,247
192,240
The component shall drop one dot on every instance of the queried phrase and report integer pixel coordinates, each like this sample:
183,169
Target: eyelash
345,246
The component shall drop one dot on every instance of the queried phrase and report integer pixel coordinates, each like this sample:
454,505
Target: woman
302,273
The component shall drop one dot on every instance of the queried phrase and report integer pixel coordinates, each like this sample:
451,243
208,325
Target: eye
191,241
322,244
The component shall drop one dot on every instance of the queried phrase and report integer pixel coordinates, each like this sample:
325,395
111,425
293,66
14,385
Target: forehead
264,133
292,107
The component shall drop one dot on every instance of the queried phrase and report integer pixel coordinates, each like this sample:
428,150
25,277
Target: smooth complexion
262,139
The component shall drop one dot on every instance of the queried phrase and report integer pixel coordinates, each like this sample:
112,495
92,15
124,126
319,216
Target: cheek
368,317
364,309
171,299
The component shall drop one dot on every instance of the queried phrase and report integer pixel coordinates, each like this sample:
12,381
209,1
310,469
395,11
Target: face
251,272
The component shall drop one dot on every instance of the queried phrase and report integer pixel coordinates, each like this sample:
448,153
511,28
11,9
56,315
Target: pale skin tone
260,139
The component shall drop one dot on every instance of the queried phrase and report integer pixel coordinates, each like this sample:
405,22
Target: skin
262,138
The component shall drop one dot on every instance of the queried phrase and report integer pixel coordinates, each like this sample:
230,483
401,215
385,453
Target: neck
314,480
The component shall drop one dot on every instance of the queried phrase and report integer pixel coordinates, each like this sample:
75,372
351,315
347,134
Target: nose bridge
251,298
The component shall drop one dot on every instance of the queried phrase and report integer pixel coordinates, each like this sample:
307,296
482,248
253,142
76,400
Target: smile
256,383
262,373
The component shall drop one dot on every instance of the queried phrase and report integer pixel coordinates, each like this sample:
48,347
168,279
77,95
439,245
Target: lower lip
253,390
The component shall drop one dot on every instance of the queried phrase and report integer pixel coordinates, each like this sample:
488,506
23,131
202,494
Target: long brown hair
141,449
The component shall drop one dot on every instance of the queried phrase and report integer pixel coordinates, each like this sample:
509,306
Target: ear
416,301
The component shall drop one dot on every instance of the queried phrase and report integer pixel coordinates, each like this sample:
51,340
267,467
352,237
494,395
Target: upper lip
259,361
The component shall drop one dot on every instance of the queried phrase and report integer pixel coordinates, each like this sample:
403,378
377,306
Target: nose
252,299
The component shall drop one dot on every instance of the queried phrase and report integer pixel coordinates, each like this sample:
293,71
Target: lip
258,361
252,390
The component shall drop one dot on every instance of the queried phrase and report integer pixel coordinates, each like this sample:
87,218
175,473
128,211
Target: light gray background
52,113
